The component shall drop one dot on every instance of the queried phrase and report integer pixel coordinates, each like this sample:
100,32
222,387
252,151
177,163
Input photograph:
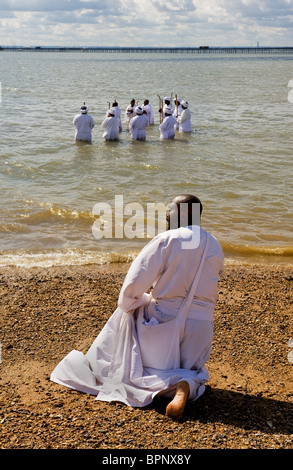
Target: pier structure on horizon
113,49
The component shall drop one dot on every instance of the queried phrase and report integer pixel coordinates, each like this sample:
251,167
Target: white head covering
167,98
168,110
83,109
112,111
178,99
138,110
184,103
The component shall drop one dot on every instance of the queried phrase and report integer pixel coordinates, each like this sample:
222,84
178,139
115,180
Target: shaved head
184,210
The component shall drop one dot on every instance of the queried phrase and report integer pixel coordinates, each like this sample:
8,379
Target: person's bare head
184,210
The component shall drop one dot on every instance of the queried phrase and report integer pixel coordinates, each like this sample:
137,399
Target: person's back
111,126
84,123
172,268
138,124
167,130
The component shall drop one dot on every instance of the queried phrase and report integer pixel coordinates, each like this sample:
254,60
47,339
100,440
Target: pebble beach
248,402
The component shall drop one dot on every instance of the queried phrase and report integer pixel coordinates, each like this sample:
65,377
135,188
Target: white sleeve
183,117
163,125
144,270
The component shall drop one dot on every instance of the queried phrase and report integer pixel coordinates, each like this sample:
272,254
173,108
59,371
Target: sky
149,23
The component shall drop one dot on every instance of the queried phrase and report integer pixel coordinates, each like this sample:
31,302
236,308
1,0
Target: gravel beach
248,402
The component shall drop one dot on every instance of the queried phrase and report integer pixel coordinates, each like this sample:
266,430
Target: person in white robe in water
148,110
177,111
138,125
114,368
167,127
184,120
129,112
111,126
167,106
117,113
84,123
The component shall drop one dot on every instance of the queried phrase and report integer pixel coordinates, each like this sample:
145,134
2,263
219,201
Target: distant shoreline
173,50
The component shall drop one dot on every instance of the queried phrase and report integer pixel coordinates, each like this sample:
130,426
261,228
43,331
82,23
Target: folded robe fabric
112,368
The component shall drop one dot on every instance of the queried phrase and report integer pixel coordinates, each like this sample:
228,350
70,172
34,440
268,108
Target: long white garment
111,126
150,113
137,127
176,114
129,113
84,123
185,121
118,115
112,368
167,107
167,130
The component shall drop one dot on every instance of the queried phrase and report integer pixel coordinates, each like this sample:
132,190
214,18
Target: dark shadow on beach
249,412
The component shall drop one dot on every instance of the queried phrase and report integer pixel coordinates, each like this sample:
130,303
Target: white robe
184,121
137,127
129,113
167,107
118,115
111,126
177,111
150,113
112,369
167,128
84,123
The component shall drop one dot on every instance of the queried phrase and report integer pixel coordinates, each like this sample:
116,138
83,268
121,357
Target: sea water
237,159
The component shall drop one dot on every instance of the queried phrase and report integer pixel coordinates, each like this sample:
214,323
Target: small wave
234,254
29,260
47,213
247,250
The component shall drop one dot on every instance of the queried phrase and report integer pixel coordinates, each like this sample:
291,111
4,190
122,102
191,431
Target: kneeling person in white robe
84,123
115,367
138,124
111,126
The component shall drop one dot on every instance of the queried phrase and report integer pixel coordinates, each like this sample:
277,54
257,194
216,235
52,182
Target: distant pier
172,50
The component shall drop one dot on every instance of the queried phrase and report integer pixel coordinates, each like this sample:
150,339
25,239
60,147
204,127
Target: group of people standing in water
137,119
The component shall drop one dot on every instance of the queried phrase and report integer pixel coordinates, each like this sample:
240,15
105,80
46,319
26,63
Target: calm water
238,158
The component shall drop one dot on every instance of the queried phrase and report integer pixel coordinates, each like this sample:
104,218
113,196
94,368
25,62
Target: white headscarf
168,110
84,109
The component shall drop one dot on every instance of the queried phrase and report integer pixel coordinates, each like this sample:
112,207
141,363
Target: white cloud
146,23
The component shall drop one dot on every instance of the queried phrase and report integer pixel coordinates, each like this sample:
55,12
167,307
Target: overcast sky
146,22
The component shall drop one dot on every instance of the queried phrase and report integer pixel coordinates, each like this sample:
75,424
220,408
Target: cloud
174,6
146,23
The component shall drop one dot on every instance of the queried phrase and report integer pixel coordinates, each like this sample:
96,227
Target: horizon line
153,49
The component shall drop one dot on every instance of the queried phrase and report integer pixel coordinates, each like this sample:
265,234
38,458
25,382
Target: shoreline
248,402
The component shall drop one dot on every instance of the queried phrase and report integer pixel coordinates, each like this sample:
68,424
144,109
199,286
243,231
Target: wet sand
248,403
